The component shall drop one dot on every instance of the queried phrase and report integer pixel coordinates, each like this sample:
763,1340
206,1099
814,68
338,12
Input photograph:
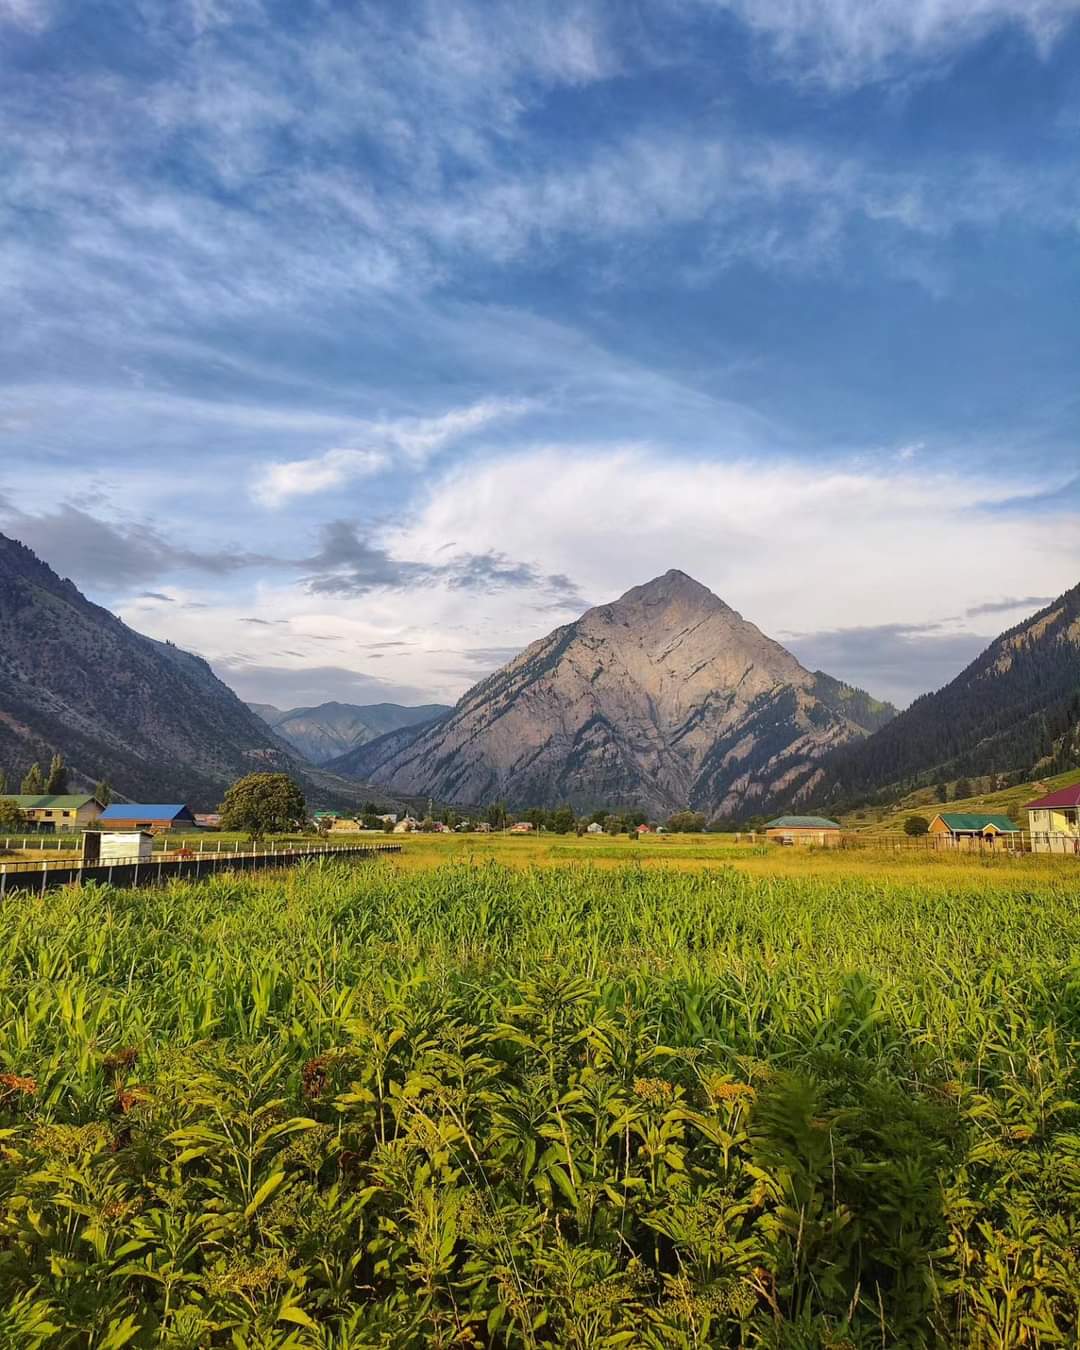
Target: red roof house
1064,799
1054,821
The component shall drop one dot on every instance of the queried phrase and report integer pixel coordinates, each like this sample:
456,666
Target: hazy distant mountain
325,732
1014,710
664,699
154,720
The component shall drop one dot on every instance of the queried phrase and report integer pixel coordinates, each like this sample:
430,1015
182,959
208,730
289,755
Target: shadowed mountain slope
152,719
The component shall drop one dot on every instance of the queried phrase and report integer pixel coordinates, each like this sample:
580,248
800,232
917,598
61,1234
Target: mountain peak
662,698
672,585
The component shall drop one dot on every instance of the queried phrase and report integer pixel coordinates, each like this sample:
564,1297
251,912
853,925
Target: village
128,829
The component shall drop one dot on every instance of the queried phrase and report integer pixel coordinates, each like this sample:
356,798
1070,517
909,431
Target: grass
716,1096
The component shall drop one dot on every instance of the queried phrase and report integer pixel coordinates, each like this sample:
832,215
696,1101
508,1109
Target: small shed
157,818
126,846
803,830
973,826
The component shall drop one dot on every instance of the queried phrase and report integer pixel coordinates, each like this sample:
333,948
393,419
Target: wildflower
121,1060
655,1091
17,1085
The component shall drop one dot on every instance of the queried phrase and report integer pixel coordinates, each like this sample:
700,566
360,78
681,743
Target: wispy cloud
348,563
847,42
414,438
1028,603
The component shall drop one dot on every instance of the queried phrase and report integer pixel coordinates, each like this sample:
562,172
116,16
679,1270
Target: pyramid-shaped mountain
664,699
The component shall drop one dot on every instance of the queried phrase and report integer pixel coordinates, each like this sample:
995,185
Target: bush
916,825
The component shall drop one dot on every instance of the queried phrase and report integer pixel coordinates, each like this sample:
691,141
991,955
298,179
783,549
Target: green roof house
972,824
68,811
803,830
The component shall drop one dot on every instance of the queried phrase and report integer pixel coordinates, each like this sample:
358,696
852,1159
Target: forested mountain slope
1015,710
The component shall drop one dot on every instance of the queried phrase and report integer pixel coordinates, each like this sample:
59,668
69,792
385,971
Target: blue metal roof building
143,816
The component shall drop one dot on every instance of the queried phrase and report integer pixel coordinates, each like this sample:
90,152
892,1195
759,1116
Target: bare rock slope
664,699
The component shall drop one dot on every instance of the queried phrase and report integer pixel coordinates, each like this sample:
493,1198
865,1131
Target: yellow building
1054,822
51,813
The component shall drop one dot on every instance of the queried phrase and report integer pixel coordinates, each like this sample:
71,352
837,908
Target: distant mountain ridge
153,719
1014,710
664,699
329,730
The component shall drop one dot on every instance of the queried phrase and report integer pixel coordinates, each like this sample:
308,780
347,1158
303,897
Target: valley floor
752,1097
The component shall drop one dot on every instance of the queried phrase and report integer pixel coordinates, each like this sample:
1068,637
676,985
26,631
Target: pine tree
57,783
33,785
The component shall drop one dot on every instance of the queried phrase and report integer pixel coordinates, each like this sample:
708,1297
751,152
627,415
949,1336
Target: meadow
752,1099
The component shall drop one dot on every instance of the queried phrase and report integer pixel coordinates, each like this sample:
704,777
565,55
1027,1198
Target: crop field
742,1100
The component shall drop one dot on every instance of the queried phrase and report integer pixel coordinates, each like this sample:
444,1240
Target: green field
793,1101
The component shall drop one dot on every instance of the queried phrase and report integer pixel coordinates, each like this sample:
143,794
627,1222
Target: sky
355,346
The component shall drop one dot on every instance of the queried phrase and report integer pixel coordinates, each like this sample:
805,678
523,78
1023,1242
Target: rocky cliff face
152,719
330,730
664,699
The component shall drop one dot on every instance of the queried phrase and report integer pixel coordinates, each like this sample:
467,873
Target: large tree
33,785
11,818
264,803
57,782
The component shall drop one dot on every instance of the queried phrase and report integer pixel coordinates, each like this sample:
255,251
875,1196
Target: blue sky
355,346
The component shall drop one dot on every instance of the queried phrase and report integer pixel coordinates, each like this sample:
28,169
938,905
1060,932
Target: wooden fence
39,877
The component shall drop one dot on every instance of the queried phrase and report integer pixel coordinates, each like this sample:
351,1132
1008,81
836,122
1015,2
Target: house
594,828
521,827
406,825
1054,821
390,818
971,827
208,820
645,829
158,819
51,813
484,827
803,830
341,824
